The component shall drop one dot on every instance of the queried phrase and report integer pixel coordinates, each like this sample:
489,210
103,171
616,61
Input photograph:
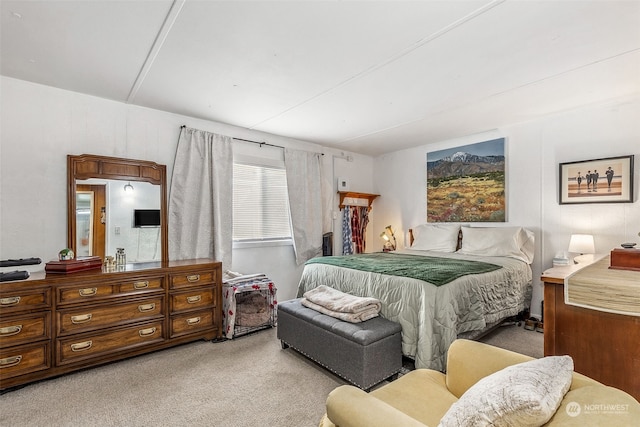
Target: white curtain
201,198
305,202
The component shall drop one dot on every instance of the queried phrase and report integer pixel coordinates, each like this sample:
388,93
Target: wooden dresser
58,323
604,346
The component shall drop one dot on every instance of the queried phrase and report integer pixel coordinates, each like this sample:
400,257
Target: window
260,201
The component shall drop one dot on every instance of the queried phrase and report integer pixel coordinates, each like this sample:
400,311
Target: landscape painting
467,183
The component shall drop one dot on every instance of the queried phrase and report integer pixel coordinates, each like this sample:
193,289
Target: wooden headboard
458,246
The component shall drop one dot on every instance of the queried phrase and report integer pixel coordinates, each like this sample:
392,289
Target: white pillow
436,237
526,394
514,242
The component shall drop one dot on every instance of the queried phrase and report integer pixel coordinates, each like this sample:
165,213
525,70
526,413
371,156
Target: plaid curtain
359,221
347,246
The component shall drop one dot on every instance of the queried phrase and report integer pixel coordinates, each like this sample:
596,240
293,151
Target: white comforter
431,317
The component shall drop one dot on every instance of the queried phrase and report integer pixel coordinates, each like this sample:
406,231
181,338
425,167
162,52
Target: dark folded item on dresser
21,261
14,275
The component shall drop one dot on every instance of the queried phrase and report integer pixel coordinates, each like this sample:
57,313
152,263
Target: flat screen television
146,218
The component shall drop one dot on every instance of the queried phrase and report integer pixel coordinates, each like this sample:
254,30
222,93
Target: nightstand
604,346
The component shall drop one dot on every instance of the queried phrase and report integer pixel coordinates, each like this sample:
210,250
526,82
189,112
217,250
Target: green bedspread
437,271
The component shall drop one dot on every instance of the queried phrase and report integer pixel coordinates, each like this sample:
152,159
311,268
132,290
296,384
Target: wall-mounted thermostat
343,184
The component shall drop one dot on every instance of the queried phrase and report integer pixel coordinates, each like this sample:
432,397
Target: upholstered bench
363,353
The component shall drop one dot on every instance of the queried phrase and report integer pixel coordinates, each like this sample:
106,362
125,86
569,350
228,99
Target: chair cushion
527,393
422,394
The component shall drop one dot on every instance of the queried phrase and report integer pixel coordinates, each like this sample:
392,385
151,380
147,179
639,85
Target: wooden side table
604,346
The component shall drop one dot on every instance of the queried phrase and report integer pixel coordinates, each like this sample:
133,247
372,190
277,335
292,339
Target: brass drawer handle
193,278
194,299
81,318
8,362
88,292
141,285
9,301
147,332
81,346
193,321
146,307
8,331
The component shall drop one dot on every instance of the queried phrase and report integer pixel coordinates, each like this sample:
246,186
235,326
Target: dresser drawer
184,324
24,329
146,284
25,299
24,360
193,299
75,348
96,291
196,278
87,318
85,293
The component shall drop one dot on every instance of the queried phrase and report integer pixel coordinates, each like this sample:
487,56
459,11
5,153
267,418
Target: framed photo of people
607,180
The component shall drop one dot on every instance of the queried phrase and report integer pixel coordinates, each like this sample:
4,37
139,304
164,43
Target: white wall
534,150
40,125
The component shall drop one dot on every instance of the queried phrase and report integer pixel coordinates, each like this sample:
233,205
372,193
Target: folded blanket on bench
347,317
343,306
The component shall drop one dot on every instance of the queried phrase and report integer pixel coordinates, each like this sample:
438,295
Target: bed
491,280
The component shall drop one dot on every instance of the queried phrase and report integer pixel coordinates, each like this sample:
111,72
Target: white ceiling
366,77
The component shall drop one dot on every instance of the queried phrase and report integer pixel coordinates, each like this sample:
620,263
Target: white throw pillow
436,237
526,394
514,242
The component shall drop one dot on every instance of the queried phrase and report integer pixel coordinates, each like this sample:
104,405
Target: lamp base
584,259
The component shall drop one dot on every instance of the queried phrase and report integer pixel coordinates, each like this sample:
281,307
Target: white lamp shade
582,244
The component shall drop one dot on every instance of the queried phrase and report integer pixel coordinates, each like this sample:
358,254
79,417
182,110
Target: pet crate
249,304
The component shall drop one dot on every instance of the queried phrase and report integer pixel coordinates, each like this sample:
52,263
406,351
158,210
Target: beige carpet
516,338
248,381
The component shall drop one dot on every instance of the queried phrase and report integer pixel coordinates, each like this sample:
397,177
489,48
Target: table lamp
584,245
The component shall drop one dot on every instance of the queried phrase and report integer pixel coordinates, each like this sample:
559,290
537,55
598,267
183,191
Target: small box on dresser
625,259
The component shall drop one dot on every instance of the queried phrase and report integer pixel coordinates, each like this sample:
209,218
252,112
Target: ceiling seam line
165,28
404,52
488,96
568,71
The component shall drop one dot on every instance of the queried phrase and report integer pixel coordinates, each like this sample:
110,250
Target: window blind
260,203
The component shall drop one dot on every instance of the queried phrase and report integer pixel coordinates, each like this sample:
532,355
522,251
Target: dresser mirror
117,203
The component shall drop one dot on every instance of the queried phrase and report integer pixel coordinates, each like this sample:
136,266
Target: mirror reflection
84,226
113,214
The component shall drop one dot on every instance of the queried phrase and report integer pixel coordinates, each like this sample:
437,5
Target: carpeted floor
248,381
516,338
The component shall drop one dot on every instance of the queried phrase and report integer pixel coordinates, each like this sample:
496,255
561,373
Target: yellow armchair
422,397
